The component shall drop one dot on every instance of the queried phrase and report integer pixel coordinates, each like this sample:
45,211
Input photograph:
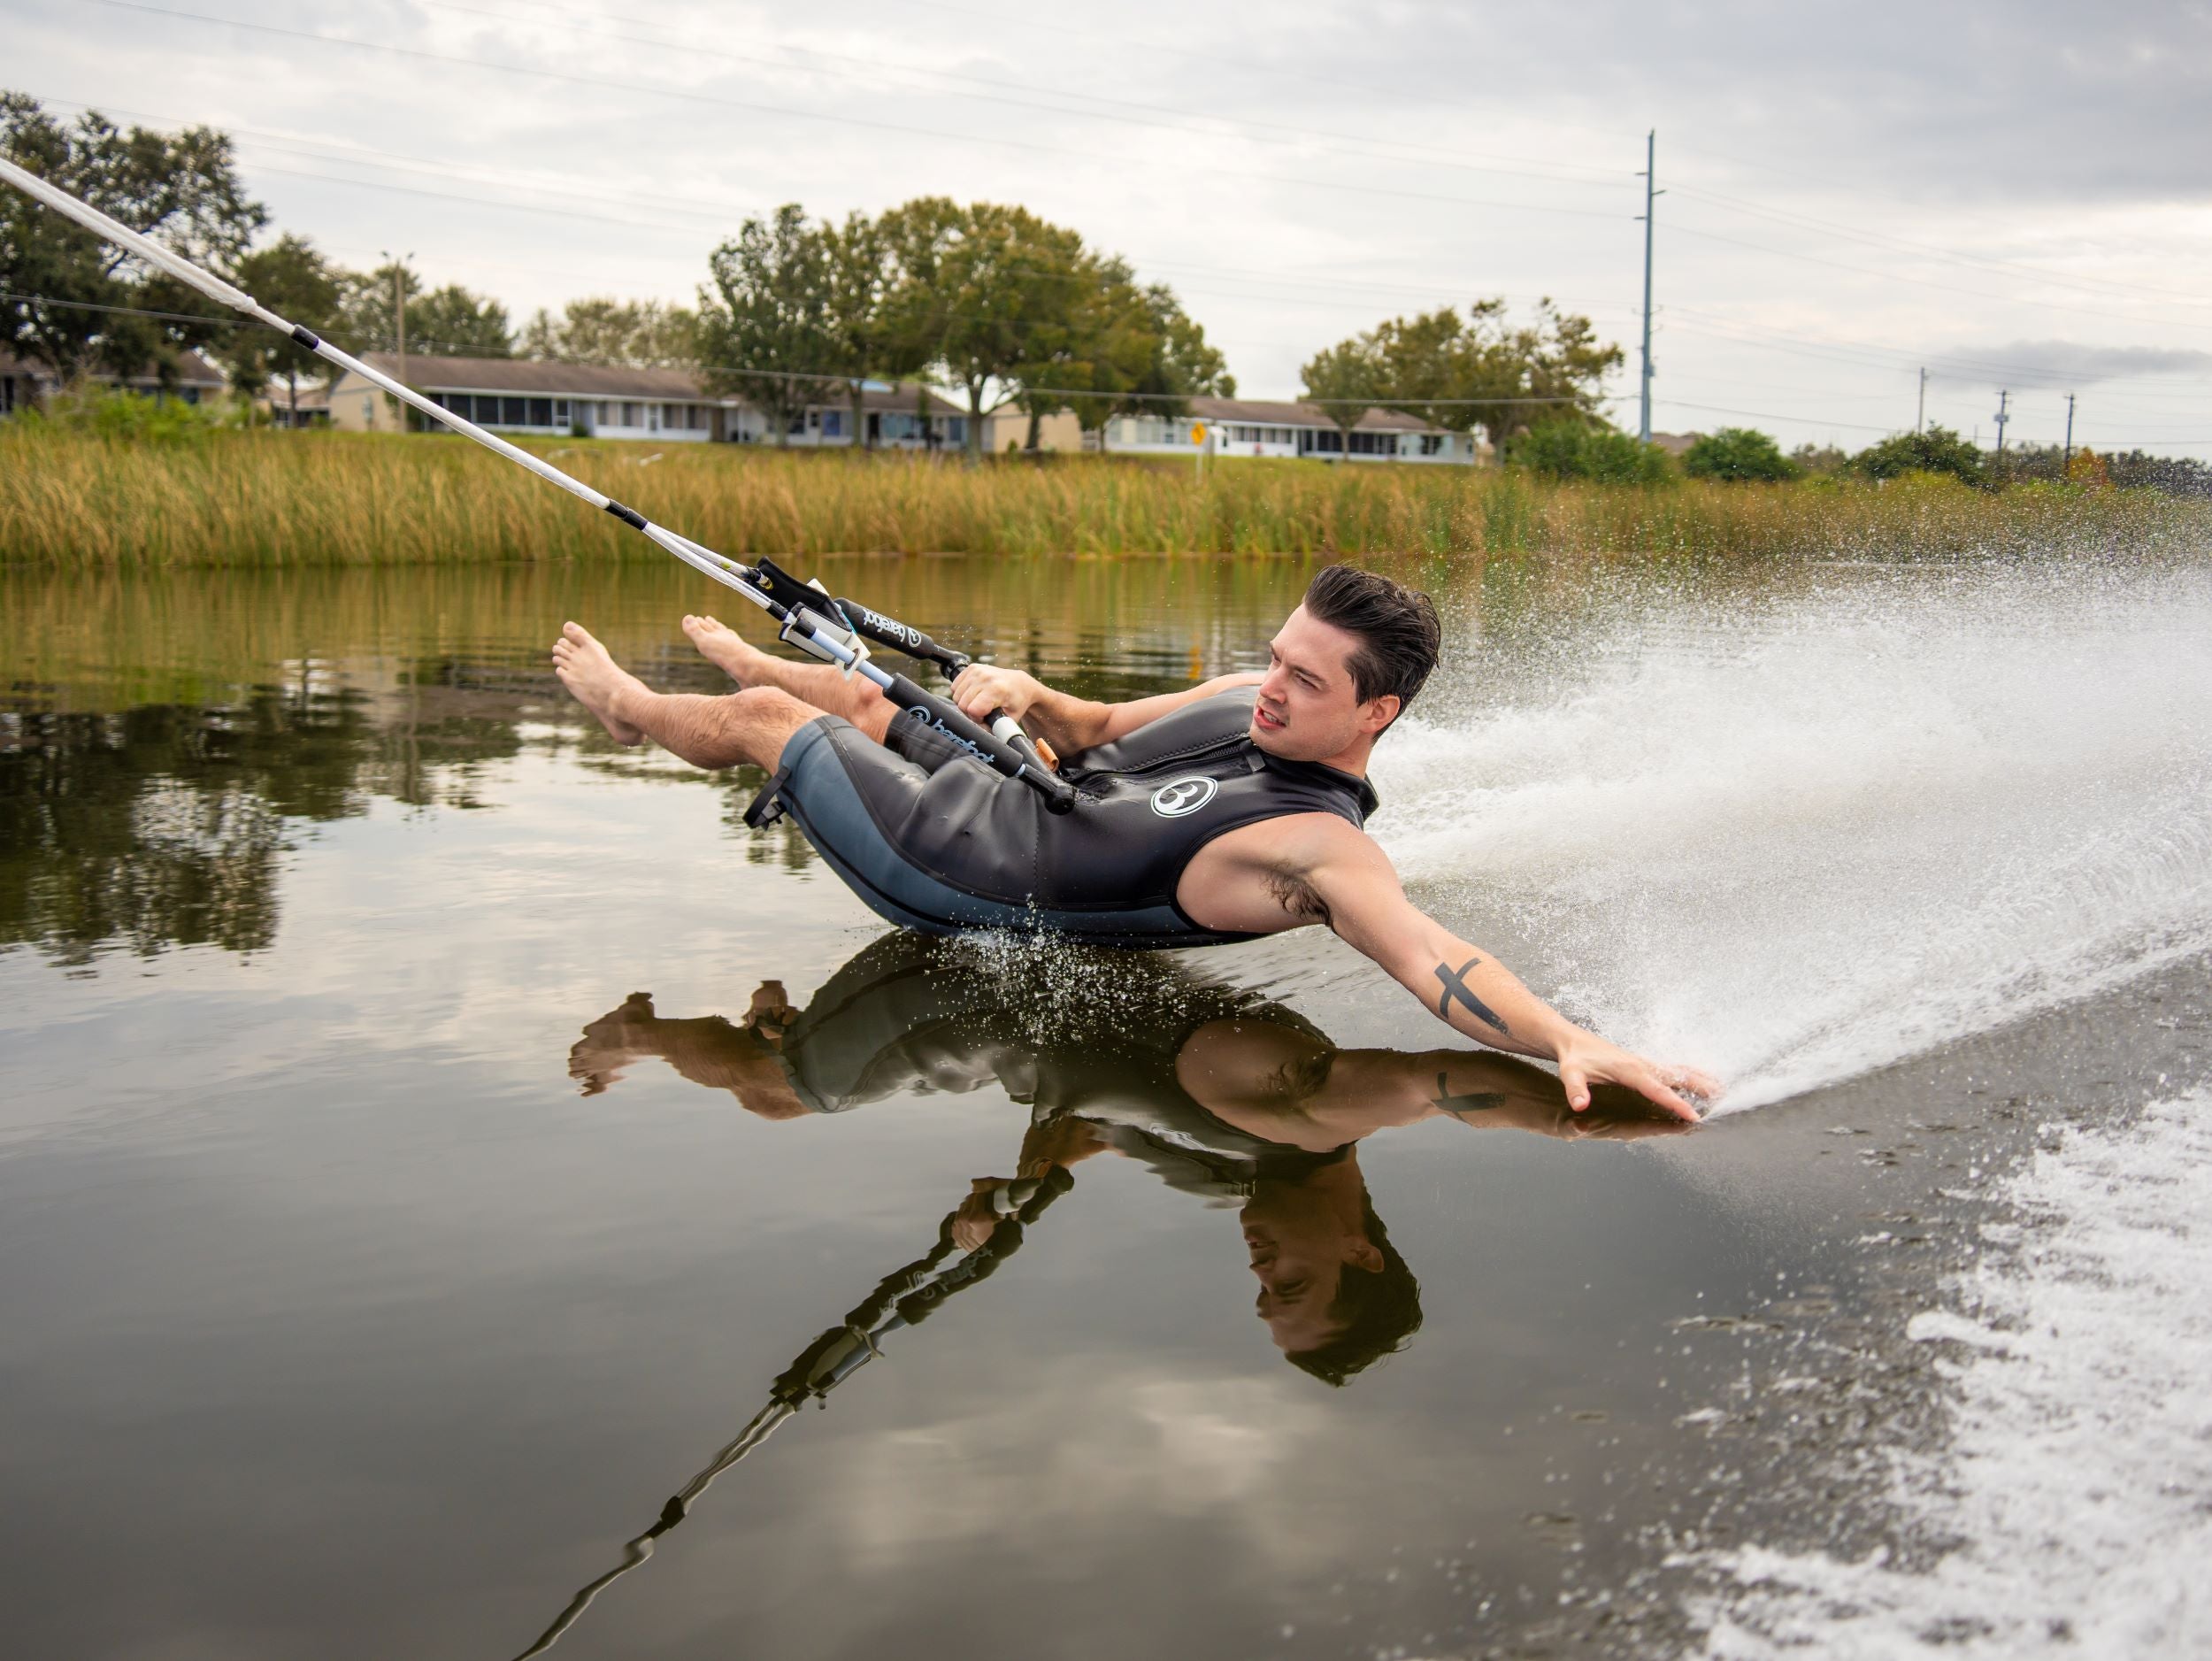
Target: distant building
1252,426
24,383
1675,443
1009,429
519,394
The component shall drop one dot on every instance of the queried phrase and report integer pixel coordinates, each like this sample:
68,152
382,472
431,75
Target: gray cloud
2072,363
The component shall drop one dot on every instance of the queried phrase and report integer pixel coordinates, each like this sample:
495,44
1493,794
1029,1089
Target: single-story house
520,395
1283,429
24,383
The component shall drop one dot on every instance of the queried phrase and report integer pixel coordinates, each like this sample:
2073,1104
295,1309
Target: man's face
1300,1248
1307,709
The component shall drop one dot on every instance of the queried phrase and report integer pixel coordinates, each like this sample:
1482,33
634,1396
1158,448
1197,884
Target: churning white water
2077,1480
1792,839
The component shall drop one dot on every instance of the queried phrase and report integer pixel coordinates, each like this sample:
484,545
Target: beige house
1009,429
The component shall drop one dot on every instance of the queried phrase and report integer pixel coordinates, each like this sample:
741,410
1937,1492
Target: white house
518,395
1286,429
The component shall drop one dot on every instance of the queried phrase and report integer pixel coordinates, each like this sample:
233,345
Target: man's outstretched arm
1066,723
1463,985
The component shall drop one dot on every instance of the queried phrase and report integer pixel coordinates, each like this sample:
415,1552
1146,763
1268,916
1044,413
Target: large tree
627,333
1482,370
766,329
989,291
74,299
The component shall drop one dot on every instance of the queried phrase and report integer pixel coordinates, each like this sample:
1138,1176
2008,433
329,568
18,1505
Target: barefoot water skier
1229,811
1226,812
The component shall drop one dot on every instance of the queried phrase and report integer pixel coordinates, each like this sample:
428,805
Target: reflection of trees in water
162,825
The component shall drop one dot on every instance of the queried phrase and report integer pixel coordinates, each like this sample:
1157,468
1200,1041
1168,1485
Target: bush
1567,450
115,414
1737,453
1938,450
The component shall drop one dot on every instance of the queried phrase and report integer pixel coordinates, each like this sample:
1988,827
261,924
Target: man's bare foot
612,1043
726,649
598,682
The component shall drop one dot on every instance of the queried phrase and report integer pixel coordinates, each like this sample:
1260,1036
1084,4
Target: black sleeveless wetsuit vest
952,846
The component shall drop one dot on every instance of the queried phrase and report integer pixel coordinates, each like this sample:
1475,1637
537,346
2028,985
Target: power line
367,155
571,78
1201,122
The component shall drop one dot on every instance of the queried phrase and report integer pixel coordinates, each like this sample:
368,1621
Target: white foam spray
1797,837
2078,1482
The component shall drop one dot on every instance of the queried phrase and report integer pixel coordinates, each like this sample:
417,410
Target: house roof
527,377
533,378
192,370
1290,412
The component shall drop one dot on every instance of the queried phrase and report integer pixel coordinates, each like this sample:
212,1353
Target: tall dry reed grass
275,498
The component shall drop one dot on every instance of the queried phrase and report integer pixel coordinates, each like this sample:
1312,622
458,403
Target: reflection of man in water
1235,1102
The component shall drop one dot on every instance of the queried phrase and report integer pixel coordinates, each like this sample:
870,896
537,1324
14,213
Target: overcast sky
2015,197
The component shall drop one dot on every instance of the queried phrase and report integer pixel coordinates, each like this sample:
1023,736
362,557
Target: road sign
1198,432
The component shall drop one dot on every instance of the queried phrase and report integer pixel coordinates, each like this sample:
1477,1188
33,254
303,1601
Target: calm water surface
432,1135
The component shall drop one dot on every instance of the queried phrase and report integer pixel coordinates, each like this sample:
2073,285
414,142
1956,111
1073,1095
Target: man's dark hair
1399,635
1381,1311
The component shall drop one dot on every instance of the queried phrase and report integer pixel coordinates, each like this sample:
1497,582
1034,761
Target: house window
1329,442
671,416
833,423
541,412
513,411
1432,444
560,413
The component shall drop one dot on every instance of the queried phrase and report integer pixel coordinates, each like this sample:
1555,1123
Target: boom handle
904,637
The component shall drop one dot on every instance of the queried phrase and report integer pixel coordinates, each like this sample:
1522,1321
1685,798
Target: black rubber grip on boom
1059,794
630,517
306,337
904,637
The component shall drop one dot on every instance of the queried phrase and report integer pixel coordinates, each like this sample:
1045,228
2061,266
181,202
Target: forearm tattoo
1456,991
1480,1101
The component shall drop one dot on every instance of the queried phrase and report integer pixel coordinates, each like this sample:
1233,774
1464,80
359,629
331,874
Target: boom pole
813,625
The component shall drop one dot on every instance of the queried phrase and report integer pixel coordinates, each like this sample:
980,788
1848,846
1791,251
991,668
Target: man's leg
826,688
752,726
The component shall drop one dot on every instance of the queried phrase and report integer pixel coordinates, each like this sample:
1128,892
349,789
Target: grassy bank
277,498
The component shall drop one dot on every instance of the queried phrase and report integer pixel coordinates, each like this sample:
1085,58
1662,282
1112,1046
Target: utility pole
1920,420
1651,194
2004,404
2066,465
399,319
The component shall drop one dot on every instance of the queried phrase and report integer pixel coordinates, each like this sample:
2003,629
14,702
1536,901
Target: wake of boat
1799,838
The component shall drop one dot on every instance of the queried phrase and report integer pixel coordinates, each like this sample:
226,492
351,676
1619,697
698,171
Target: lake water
432,1135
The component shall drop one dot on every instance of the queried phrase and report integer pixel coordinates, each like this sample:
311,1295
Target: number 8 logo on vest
1180,796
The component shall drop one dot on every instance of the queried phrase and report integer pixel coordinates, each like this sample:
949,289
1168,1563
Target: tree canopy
1937,450
447,322
181,190
627,333
1003,305
1482,370
1736,455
